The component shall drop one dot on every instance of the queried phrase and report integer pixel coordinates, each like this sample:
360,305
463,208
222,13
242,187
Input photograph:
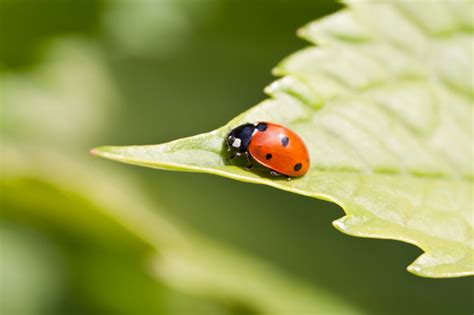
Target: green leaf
384,104
111,250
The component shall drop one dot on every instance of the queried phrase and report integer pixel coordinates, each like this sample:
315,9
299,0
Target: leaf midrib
387,172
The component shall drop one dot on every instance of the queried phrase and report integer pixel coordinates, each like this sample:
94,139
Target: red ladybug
274,146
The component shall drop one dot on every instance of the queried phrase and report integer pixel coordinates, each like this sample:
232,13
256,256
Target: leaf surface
384,104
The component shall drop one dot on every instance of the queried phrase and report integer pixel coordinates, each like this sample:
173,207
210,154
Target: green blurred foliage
27,25
74,76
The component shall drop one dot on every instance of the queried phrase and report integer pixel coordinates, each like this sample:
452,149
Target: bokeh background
81,235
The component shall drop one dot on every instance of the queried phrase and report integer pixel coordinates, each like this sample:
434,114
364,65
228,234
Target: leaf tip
339,224
104,152
414,269
420,270
301,32
352,225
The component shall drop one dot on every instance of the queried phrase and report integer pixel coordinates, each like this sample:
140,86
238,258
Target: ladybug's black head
239,138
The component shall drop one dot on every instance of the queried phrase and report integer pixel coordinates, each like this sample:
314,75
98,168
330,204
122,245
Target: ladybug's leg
247,156
273,173
236,154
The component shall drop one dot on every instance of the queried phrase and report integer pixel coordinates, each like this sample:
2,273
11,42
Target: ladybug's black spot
262,126
268,156
285,140
297,167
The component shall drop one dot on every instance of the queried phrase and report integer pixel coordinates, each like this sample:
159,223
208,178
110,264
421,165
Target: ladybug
273,146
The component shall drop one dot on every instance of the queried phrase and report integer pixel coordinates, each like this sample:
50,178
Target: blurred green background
81,235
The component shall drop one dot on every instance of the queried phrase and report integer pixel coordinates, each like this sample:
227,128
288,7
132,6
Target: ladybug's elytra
274,146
